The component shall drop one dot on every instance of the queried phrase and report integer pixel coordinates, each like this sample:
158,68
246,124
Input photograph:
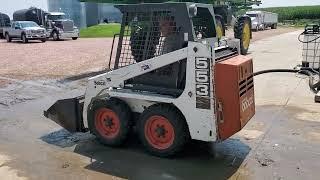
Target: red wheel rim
159,132
107,123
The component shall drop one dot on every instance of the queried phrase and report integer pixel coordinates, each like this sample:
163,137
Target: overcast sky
9,6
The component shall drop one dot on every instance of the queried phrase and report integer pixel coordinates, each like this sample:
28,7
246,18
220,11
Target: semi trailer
4,23
260,20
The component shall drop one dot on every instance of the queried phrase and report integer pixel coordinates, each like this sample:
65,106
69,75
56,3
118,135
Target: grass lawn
101,30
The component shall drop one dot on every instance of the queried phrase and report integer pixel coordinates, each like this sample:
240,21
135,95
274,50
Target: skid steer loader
171,79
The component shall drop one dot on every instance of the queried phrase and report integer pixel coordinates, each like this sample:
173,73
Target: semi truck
260,20
4,23
57,25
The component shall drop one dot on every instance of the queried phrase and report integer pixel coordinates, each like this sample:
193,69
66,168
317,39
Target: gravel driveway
53,59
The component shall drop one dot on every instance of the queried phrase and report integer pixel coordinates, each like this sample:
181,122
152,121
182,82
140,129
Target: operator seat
168,80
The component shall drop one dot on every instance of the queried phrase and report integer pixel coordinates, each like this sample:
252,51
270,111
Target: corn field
295,13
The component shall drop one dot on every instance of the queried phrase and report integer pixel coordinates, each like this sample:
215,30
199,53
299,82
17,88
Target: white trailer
261,20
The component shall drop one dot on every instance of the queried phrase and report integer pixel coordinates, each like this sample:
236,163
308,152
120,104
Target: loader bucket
68,114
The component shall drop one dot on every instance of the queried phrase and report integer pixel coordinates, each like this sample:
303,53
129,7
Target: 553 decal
203,83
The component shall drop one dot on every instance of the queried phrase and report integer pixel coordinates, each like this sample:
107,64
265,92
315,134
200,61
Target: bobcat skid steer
171,79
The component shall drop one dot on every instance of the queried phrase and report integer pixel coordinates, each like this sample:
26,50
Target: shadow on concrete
18,41
132,162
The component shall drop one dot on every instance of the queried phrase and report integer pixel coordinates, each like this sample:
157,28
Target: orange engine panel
235,94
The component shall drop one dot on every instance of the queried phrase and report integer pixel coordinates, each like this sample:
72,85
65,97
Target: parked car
25,31
4,22
260,20
57,25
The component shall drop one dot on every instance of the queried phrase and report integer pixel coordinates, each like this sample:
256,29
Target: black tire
55,36
24,38
274,26
178,125
119,114
1,36
242,31
43,40
220,24
74,38
257,28
8,38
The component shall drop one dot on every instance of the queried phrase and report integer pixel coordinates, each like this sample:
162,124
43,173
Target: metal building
72,8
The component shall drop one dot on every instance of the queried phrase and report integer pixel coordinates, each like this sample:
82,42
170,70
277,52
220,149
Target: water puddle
6,172
63,138
250,134
313,136
309,116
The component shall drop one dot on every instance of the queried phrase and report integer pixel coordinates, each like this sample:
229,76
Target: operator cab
148,31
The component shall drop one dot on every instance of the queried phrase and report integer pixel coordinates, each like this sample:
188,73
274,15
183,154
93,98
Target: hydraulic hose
276,70
305,71
307,30
310,72
310,69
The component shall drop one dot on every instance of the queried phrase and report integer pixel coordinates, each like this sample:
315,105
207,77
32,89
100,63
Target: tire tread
176,118
124,113
238,29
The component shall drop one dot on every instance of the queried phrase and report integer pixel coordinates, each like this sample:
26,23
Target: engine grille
234,86
67,26
37,31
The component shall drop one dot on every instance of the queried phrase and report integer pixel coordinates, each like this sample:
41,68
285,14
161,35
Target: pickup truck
25,31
